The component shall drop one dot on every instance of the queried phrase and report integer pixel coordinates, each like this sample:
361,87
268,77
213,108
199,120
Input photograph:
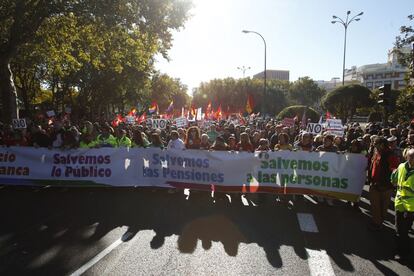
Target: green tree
20,20
297,111
306,92
232,94
165,89
344,100
405,101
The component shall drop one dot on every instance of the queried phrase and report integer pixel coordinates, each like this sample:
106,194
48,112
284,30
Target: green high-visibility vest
404,199
106,142
124,142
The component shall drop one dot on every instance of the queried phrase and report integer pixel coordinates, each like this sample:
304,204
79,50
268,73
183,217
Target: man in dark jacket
383,163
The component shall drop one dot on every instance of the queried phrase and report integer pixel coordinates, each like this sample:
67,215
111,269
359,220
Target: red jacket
382,165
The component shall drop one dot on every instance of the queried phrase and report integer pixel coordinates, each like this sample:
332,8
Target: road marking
318,260
310,199
101,255
307,223
319,263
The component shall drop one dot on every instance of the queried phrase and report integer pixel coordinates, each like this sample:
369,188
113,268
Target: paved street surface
57,231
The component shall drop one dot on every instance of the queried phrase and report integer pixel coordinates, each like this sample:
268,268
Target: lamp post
243,69
264,89
345,23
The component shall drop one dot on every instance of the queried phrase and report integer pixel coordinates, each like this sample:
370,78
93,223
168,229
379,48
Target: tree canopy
298,111
405,101
99,53
306,92
344,100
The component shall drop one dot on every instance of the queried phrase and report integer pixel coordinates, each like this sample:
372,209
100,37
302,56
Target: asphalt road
57,231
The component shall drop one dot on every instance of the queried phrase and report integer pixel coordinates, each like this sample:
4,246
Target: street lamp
243,69
345,23
264,89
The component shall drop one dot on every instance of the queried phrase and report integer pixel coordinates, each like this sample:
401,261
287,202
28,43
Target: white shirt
176,144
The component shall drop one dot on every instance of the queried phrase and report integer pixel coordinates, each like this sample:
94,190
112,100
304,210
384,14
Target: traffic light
384,95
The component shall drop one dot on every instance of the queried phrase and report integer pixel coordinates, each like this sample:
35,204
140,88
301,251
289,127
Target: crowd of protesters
385,147
258,135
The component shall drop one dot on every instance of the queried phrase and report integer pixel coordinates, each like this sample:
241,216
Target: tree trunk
8,92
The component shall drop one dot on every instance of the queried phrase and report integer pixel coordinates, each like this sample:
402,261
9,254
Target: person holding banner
328,144
156,141
283,142
205,143
245,144
122,140
175,142
106,139
139,140
193,140
305,142
403,177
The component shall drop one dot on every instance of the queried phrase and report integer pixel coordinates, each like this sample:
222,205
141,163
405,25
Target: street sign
314,128
19,123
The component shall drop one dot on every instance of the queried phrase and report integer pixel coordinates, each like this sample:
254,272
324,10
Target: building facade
273,75
376,75
329,85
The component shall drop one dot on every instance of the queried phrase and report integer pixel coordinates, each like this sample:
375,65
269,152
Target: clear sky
299,36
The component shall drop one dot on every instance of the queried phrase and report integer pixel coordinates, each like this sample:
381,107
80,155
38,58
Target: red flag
249,104
218,113
132,112
118,119
141,118
328,115
208,108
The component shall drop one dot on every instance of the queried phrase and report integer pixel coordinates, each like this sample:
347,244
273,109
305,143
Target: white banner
314,128
321,173
157,123
334,126
181,122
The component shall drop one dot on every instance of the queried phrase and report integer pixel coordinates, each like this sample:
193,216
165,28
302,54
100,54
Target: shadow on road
52,231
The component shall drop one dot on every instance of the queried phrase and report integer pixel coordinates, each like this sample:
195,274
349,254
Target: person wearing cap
383,163
403,177
393,144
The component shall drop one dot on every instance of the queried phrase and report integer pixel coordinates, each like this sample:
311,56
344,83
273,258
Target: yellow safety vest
108,142
124,142
404,200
